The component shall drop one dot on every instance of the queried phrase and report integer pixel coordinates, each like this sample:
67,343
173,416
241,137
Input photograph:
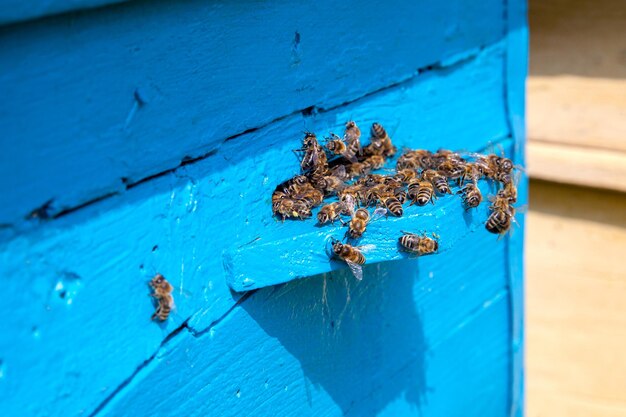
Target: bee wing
350,156
349,204
378,213
340,172
357,270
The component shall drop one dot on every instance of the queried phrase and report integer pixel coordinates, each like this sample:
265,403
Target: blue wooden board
104,99
436,335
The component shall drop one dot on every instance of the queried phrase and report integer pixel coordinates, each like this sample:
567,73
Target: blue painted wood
106,98
440,335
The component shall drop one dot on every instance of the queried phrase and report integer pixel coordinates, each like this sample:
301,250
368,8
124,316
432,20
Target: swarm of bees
341,170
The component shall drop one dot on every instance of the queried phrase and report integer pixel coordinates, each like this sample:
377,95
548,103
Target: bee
452,168
307,192
509,191
163,294
421,192
352,256
352,135
299,180
333,211
358,223
381,140
350,192
277,197
414,159
370,195
392,205
400,194
495,167
418,244
405,175
501,217
329,213
314,158
357,169
337,146
375,161
329,184
437,180
471,195
288,208
371,180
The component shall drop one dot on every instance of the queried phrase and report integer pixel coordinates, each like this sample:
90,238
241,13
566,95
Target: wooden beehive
147,137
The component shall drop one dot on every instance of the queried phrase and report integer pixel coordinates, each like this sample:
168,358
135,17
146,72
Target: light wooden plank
586,112
576,315
575,165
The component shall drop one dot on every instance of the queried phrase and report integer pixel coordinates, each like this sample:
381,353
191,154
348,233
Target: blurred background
576,236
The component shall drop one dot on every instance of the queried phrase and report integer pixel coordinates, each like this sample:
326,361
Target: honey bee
418,244
333,211
375,161
352,136
381,141
495,167
471,195
329,184
509,191
370,195
357,169
437,180
329,213
405,175
288,208
163,294
337,146
421,192
392,205
352,256
501,217
452,168
314,158
413,159
307,193
400,194
358,223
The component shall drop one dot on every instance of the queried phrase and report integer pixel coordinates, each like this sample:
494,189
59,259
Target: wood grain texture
576,314
130,91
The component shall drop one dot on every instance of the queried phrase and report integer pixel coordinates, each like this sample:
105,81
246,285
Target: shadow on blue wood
353,340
